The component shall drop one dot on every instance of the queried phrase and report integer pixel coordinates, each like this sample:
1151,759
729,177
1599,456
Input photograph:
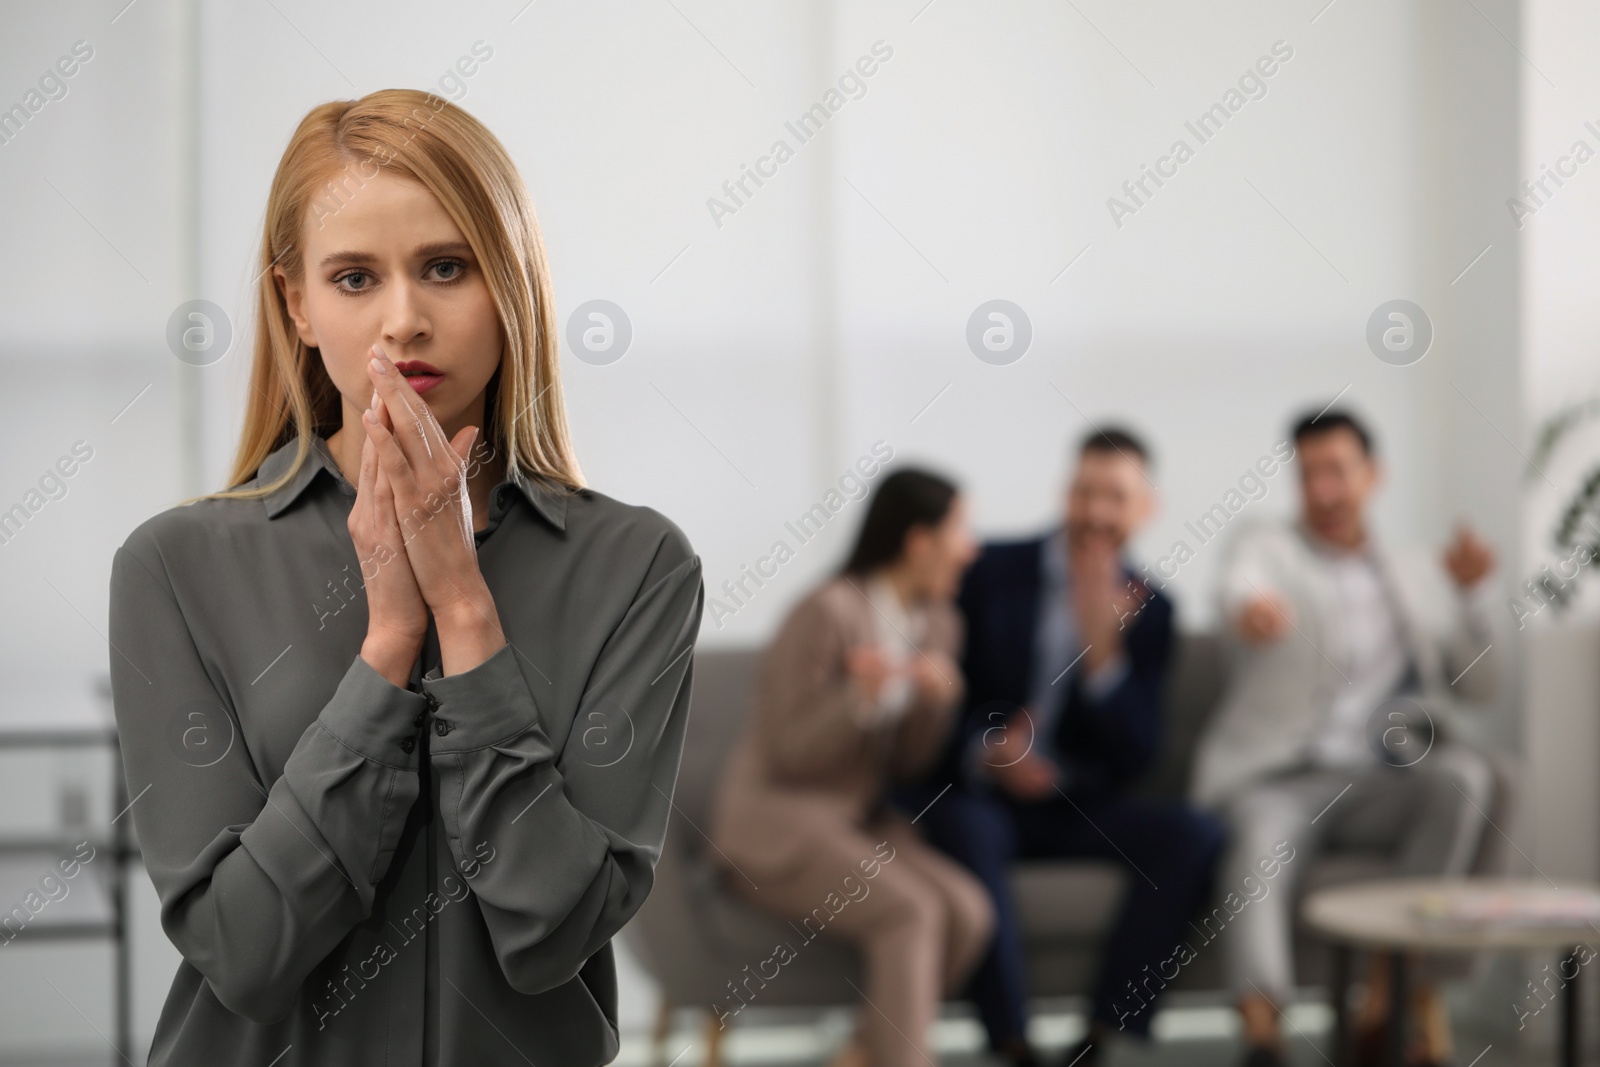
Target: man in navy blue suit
1066,659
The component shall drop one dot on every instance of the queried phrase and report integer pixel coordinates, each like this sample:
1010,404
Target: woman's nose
403,318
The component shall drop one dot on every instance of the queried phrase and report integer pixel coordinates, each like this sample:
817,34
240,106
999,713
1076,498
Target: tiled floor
1185,1037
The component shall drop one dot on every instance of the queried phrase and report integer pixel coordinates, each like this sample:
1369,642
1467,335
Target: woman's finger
417,431
405,480
389,384
386,501
383,499
464,444
369,464
413,414
443,475
380,412
402,482
427,424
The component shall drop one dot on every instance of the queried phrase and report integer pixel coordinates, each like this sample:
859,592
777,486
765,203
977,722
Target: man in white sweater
1351,654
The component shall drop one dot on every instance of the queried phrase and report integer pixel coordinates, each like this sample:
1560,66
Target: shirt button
407,744
433,702
441,727
418,720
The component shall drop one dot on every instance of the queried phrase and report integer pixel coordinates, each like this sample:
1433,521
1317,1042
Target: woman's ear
294,299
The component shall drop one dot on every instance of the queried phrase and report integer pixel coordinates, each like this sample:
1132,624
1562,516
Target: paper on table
1532,907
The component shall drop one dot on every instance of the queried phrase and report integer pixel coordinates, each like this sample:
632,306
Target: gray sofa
694,936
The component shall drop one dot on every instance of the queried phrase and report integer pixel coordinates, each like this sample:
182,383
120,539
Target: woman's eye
353,281
448,270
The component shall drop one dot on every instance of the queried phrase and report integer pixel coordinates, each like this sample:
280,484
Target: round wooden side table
1400,916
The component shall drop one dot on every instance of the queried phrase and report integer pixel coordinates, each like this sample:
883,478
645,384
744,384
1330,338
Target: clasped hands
413,518
932,673
1011,761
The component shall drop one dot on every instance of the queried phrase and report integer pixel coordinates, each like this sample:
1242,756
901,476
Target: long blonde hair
430,140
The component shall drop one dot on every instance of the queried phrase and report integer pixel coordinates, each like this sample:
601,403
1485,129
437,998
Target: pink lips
420,375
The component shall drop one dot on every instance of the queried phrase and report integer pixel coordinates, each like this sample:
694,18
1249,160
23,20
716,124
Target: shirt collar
1325,549
549,501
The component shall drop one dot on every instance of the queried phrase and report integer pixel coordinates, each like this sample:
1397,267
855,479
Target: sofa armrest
1497,854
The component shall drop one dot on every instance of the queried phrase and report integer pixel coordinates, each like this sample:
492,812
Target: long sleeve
812,710
991,695
1245,572
258,881
1469,655
921,734
570,839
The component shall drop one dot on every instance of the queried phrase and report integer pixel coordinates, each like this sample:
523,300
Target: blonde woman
403,708
859,690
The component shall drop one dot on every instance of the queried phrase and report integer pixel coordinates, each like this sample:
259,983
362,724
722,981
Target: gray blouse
357,873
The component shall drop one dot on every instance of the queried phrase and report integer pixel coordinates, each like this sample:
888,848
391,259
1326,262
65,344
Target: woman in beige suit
859,688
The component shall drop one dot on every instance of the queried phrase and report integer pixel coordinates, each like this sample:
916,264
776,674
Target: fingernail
377,365
374,400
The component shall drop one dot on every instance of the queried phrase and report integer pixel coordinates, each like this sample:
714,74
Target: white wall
778,346
1563,316
1562,321
1205,320
96,225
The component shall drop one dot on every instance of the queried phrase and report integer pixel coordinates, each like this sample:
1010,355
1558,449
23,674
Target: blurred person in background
1066,661
860,688
1349,648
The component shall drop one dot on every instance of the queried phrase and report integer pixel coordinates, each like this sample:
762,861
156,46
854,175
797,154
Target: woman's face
388,267
939,554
